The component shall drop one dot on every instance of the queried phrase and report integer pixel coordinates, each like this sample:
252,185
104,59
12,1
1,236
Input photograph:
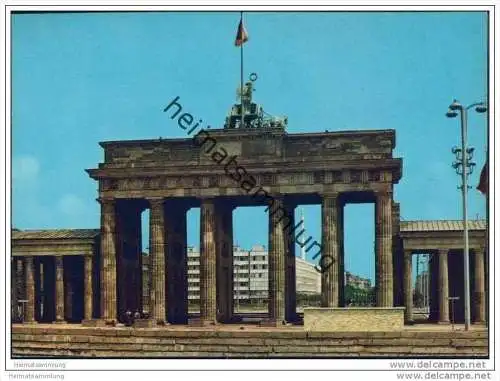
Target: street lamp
464,167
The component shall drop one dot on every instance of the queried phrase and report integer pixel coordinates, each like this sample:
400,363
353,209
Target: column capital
156,206
208,200
443,251
408,252
331,194
478,249
380,193
155,201
106,200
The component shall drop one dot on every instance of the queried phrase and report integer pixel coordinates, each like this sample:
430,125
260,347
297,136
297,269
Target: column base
60,322
274,323
89,322
208,322
143,323
444,322
409,322
149,323
105,323
479,322
203,322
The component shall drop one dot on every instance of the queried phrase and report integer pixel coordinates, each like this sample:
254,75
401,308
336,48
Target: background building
357,281
250,271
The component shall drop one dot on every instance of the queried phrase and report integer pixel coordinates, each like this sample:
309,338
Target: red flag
241,35
483,180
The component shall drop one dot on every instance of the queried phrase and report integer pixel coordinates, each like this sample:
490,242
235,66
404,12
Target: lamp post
464,167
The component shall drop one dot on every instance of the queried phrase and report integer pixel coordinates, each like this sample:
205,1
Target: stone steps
51,341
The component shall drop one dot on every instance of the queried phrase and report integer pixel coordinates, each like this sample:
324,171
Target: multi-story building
307,276
250,276
250,269
357,281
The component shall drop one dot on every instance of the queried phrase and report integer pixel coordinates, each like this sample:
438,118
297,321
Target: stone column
329,261
87,287
123,292
383,249
340,239
13,289
479,297
42,290
157,261
277,264
20,281
224,233
290,278
397,258
59,268
68,291
16,286
108,261
407,282
208,266
444,310
29,313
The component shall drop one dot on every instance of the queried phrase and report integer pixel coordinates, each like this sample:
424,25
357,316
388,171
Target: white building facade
250,270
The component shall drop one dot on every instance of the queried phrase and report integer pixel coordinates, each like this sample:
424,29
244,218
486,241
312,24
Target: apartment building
357,281
250,269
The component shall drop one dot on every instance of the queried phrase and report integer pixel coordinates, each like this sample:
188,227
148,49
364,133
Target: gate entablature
232,162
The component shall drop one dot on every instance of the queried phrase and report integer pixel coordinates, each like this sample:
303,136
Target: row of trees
353,296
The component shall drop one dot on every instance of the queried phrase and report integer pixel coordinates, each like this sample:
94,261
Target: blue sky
78,79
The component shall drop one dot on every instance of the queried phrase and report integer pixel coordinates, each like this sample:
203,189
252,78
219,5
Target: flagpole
241,78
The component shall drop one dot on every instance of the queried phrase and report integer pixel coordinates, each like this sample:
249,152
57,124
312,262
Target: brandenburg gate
218,170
